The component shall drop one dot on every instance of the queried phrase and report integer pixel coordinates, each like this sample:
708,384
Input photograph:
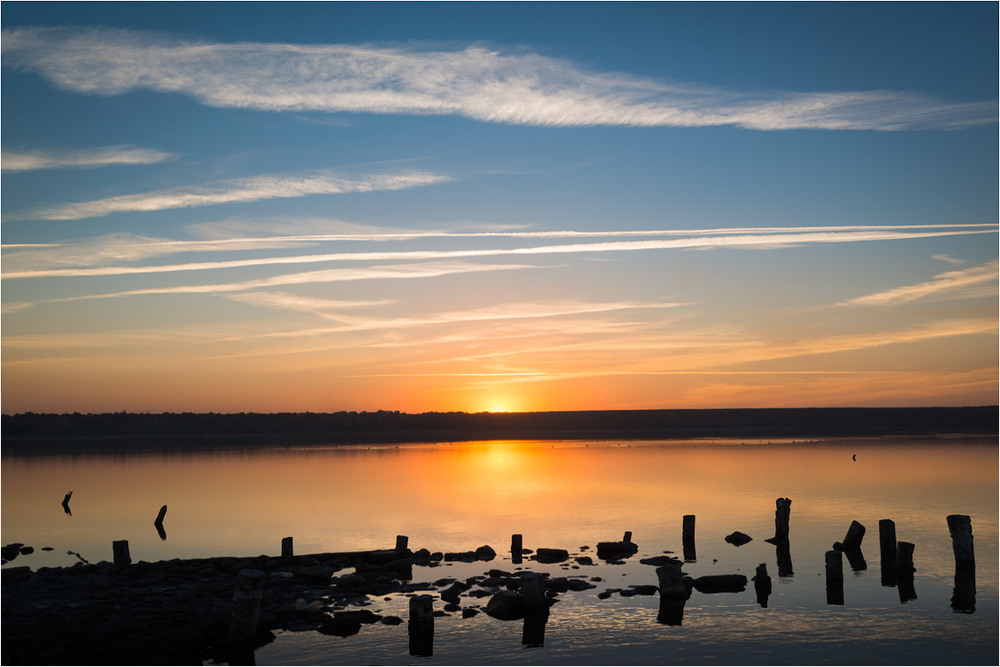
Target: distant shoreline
31,433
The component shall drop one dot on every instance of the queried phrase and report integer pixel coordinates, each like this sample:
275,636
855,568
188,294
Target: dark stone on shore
452,593
645,589
584,560
468,612
550,555
738,539
486,552
391,620
317,573
461,556
453,606
27,550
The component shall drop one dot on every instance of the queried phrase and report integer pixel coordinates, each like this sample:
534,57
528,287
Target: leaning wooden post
834,577
421,625
159,517
121,555
781,515
287,548
246,612
964,595
887,548
687,538
904,571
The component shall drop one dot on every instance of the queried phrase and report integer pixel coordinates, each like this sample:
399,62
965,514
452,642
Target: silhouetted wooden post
855,534
401,542
627,539
536,609
121,555
421,625
159,517
762,585
781,515
687,538
904,571
246,612
834,577
673,593
964,595
887,549
287,548
516,548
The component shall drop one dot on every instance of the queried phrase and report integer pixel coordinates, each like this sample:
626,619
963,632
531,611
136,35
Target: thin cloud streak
977,281
392,272
744,241
490,85
14,161
121,247
274,186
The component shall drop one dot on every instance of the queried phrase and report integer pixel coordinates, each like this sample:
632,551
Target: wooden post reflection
887,549
834,577
762,585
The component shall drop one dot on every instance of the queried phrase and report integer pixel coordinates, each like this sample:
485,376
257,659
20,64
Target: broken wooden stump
245,615
674,593
421,625
536,609
687,538
964,594
782,512
834,577
887,550
855,534
401,542
762,585
904,572
287,548
516,548
121,555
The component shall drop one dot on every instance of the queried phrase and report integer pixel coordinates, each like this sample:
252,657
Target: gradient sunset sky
435,207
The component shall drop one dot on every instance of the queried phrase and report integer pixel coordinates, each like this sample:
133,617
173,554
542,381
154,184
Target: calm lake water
571,495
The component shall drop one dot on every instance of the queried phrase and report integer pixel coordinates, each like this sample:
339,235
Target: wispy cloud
11,160
274,186
751,240
977,281
487,84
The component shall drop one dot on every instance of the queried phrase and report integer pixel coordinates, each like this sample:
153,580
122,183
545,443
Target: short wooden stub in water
834,577
887,549
121,555
421,625
286,547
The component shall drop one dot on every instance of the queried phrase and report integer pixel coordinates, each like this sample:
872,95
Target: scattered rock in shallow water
391,620
584,560
452,592
738,539
550,555
658,560
506,606
485,552
613,551
468,612
721,583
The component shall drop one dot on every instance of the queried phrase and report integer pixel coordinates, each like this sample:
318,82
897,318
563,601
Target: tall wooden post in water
887,548
964,596
421,625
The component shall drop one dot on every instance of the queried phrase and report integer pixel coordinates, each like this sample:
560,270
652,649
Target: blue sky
478,206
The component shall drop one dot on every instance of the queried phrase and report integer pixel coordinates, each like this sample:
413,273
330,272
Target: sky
497,207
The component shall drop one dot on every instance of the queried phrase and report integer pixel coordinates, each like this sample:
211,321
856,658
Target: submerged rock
738,539
506,606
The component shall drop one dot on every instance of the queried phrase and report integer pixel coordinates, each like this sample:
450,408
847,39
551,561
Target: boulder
318,573
550,555
451,593
616,550
721,583
658,560
485,552
738,539
506,606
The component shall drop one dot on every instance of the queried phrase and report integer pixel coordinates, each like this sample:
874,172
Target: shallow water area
570,495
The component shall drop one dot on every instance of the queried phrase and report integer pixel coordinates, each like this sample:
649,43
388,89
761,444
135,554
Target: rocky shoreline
179,611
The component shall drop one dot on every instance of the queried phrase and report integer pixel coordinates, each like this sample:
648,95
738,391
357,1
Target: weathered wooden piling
421,625
782,512
834,577
516,548
287,548
964,594
159,517
960,527
904,572
627,538
536,609
674,593
687,538
402,542
855,534
246,612
887,550
762,585
120,550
